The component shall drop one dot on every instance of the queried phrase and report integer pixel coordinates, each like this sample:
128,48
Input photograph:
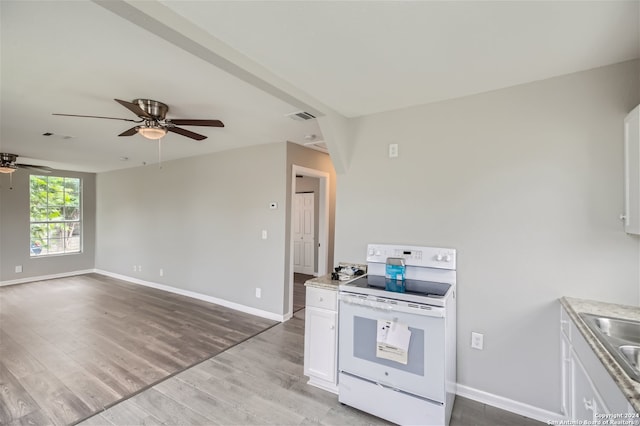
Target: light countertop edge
629,387
327,283
324,282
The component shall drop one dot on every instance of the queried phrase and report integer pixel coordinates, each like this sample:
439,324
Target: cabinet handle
589,405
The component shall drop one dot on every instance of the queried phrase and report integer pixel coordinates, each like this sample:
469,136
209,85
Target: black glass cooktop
419,288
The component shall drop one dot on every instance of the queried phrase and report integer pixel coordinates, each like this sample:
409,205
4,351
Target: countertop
629,387
327,283
324,281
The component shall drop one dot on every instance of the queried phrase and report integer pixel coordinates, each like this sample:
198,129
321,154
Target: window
55,215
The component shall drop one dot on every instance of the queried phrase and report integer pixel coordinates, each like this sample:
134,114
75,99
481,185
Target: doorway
314,254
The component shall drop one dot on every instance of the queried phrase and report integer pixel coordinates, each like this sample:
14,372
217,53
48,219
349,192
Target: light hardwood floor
299,291
69,347
261,382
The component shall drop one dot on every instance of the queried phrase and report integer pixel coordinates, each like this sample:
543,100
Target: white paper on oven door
393,341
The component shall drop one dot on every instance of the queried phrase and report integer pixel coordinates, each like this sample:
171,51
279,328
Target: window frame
34,254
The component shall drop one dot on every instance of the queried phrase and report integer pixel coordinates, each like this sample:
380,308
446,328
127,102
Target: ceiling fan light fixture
7,169
152,133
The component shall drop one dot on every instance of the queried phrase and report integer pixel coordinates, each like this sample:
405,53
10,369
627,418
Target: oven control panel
427,257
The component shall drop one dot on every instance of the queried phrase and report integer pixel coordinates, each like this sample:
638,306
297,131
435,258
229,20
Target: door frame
323,224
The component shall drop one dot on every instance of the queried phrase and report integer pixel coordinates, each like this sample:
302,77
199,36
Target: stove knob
447,258
439,257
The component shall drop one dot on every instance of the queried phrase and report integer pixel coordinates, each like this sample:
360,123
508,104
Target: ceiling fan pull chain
160,153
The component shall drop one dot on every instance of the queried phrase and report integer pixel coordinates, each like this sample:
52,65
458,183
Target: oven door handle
416,309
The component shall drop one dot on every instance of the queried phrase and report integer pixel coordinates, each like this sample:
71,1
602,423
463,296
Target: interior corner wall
312,159
15,233
527,184
200,220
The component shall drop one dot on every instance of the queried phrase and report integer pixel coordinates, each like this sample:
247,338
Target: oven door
359,355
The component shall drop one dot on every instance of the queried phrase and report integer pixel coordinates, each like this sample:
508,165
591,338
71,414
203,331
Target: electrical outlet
161,272
477,340
258,292
393,150
18,269
135,268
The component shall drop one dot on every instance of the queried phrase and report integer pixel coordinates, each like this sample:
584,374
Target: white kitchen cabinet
321,338
588,391
586,400
632,172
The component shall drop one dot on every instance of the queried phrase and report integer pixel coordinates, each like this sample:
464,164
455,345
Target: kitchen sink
632,355
621,337
618,328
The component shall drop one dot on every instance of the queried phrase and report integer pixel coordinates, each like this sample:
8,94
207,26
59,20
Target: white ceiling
356,58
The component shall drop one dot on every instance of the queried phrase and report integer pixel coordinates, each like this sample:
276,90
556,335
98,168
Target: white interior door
303,234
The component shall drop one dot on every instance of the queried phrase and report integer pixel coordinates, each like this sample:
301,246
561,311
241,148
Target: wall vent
300,116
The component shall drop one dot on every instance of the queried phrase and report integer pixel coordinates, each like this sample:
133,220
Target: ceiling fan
8,164
153,121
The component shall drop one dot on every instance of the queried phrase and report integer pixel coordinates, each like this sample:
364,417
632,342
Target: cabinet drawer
322,298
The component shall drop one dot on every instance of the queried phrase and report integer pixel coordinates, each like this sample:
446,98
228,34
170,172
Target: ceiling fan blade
188,122
186,133
135,109
98,116
43,169
132,131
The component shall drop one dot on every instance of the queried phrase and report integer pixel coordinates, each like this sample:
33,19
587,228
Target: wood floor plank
15,401
91,390
248,399
17,359
167,410
217,411
128,413
35,418
55,399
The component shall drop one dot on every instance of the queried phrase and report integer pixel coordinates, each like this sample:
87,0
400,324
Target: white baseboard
45,277
509,405
194,295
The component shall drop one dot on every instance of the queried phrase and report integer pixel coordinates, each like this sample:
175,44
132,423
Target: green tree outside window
55,215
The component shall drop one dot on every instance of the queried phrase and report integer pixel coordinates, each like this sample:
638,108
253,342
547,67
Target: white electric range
397,340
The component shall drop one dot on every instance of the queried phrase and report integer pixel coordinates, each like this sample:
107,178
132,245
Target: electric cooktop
379,285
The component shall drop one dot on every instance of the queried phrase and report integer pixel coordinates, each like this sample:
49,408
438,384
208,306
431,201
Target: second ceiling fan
153,123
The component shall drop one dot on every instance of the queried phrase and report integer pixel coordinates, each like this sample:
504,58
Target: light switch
264,234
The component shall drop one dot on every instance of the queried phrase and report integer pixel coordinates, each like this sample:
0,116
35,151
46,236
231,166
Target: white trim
509,405
194,295
45,277
323,224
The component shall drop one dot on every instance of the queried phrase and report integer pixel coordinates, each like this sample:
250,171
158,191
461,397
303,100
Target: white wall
526,183
200,219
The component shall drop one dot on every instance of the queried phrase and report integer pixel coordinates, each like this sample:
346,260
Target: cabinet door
586,402
567,378
320,344
632,172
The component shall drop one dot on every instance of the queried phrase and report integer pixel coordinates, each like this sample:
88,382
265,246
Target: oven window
364,346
